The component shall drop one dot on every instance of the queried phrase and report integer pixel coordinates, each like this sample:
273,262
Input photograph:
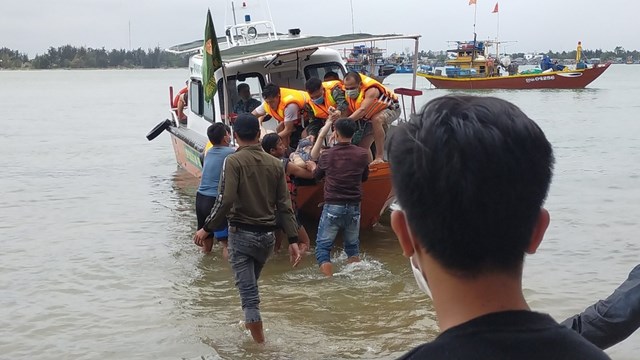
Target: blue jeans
334,218
248,252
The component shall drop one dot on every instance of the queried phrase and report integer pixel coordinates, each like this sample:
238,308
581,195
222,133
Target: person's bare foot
326,269
353,259
377,161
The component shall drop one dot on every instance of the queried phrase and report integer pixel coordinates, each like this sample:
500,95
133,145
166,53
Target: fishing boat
370,61
470,67
254,53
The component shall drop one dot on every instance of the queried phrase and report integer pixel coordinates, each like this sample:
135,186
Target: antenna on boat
353,26
271,19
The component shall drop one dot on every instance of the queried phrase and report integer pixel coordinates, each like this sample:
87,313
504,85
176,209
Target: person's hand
294,254
311,165
199,237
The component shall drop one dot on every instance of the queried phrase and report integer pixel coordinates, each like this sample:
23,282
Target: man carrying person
323,96
344,167
375,104
286,106
252,195
220,137
471,175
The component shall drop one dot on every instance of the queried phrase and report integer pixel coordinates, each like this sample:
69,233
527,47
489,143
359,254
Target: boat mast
353,27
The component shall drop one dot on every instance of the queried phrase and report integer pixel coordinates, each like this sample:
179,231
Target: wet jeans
248,252
334,218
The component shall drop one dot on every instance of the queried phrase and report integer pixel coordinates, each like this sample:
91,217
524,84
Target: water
96,224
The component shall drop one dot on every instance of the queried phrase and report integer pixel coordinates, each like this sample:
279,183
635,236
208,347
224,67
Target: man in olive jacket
253,190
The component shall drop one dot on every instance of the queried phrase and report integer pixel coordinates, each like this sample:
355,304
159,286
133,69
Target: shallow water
96,226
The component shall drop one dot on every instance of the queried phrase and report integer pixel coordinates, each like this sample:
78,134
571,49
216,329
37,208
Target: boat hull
576,79
377,193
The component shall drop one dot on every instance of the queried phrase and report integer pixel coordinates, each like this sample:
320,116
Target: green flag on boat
211,60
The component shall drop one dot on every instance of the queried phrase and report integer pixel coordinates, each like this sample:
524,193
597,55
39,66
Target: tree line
71,57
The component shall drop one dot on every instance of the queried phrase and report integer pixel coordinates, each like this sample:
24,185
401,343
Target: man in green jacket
252,192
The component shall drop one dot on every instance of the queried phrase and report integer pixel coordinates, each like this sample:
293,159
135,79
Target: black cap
246,126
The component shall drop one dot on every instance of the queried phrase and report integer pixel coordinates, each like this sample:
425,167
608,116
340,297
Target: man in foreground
252,192
471,175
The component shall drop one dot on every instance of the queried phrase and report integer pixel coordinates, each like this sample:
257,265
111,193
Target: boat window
195,97
319,70
255,82
209,111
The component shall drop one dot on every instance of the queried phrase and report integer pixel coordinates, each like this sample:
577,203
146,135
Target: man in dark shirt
246,104
344,167
251,194
471,175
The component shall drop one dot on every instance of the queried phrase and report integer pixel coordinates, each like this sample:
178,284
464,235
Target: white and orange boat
256,54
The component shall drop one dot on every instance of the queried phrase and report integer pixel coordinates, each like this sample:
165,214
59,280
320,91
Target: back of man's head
217,132
471,174
345,127
331,75
270,91
246,127
313,84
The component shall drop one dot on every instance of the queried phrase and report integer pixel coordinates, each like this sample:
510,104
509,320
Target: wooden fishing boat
470,68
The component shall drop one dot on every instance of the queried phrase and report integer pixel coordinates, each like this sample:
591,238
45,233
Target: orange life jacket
386,97
322,111
287,96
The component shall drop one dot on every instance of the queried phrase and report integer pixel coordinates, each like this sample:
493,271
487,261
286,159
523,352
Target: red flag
495,8
472,2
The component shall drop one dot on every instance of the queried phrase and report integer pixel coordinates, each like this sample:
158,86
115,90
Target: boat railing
249,32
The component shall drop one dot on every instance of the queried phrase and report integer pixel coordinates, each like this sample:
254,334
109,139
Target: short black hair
216,132
270,91
471,174
345,127
313,84
243,86
246,127
353,75
270,141
331,75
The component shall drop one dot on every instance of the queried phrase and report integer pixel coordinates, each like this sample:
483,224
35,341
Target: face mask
353,93
420,280
319,101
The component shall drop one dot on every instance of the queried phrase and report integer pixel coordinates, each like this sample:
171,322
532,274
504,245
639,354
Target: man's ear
539,229
401,228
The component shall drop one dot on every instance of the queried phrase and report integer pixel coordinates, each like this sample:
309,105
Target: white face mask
420,280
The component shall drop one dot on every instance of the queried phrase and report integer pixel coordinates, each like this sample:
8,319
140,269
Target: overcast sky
32,26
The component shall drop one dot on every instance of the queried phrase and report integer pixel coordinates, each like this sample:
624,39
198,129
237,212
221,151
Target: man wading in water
252,191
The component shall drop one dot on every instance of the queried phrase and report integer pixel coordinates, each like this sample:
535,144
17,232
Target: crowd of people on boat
469,264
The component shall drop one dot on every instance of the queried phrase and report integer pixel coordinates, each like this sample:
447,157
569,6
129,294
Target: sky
32,26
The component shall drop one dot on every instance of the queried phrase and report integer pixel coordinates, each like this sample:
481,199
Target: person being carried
376,105
273,145
219,135
246,104
302,155
323,96
471,175
343,167
252,195
286,106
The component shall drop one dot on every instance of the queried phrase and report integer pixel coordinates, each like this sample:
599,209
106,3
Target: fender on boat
158,129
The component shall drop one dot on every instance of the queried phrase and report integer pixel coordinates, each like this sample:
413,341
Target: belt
252,228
